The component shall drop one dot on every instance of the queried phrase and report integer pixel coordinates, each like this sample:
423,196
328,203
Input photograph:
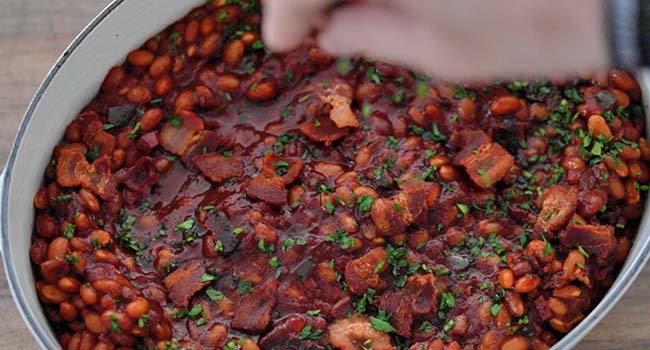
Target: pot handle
3,175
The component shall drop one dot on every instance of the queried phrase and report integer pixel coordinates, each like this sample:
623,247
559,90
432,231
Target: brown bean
161,65
150,119
38,251
69,284
491,340
233,53
40,199
506,278
622,99
100,238
515,304
53,294
93,323
139,94
598,126
191,31
526,283
184,101
228,82
68,311
58,248
46,226
617,166
88,294
137,308
505,105
632,192
616,188
644,147
163,85
89,200
517,342
140,58
82,222
210,45
447,173
88,341
262,91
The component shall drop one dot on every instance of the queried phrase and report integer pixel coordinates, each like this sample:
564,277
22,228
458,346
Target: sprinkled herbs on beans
217,195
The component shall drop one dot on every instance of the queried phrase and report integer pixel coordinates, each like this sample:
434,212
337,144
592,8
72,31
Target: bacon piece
254,310
218,168
141,176
400,309
322,130
484,161
178,138
73,170
558,207
94,134
286,334
70,164
184,282
387,217
99,178
422,293
596,239
208,141
273,164
412,201
269,189
352,333
360,273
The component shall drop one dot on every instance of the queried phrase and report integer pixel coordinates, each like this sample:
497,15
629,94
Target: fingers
382,33
287,22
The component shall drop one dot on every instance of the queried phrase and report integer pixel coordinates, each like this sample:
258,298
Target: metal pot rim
623,281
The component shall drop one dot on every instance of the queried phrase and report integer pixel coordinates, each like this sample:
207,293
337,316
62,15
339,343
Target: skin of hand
456,40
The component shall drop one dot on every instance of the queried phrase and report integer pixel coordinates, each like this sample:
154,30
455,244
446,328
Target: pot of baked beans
175,185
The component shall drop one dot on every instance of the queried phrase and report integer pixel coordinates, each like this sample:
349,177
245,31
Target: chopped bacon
400,309
272,164
596,239
352,333
387,216
208,141
185,282
69,167
422,293
285,334
73,170
178,138
412,201
218,168
558,207
484,161
141,176
95,136
269,189
341,113
322,130
254,310
363,273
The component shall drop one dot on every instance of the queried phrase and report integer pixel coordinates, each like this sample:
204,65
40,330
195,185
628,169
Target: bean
161,331
567,292
88,294
207,25
137,308
517,342
622,99
491,340
447,173
505,105
52,270
69,284
616,188
559,325
113,79
266,232
112,317
58,248
629,153
228,82
68,311
192,31
210,45
233,53
598,126
89,200
88,341
184,101
502,318
539,111
38,251
100,238
150,119
139,94
538,249
515,304
466,110
162,165
526,283
506,278
262,91
94,324
163,85
632,193
40,199
106,256
160,66
215,335
348,223
557,306
46,226
638,171
616,165
622,80
53,294
74,342
644,147
82,222
140,58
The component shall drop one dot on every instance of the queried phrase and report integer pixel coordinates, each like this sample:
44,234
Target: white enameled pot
71,84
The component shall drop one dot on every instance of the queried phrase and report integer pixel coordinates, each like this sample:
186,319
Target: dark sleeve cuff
628,32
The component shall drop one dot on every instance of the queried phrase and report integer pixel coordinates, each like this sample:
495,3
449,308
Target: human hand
459,40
